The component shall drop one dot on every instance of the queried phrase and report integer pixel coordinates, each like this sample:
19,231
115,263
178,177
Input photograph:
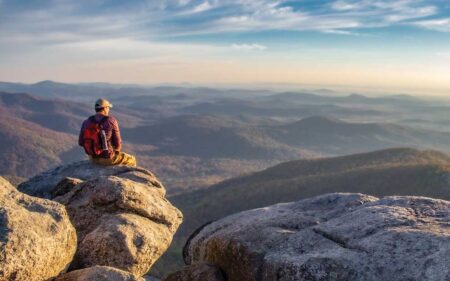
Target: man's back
110,125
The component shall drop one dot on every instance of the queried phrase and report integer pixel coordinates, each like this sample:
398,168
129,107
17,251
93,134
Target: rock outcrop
99,273
331,237
45,185
120,213
37,240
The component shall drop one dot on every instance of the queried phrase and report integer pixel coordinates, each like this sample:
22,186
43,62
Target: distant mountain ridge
201,147
56,114
85,91
27,148
334,136
199,136
209,136
38,133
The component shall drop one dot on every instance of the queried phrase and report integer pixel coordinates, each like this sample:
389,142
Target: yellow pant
120,158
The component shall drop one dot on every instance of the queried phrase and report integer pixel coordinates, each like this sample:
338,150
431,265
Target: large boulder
37,240
45,185
99,273
121,215
331,237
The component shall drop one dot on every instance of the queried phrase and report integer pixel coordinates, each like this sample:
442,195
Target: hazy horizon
346,43
338,90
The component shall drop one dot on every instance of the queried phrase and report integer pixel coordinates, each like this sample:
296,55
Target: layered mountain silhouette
27,148
85,91
55,114
212,136
37,133
209,136
58,115
333,136
277,106
200,136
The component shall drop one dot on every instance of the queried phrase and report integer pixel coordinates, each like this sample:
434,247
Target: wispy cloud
249,47
222,34
202,7
384,13
435,24
161,18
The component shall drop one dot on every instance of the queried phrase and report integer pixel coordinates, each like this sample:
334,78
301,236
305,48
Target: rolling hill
277,107
208,136
38,133
57,114
335,137
190,151
27,148
401,171
219,136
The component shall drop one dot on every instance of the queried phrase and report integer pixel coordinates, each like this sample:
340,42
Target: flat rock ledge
44,185
339,237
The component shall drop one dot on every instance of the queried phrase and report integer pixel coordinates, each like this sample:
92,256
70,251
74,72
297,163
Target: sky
403,44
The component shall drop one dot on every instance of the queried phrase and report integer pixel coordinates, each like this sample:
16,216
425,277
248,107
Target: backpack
93,143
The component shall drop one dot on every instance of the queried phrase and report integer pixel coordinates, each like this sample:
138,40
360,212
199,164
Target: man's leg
122,158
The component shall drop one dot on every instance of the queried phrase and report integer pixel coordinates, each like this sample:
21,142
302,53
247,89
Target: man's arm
115,138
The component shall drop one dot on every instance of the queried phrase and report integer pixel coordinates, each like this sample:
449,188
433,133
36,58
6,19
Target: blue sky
403,43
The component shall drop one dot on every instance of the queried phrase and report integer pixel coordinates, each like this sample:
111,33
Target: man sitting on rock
100,138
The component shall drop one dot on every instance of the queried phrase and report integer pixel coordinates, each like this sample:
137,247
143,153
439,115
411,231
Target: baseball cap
102,103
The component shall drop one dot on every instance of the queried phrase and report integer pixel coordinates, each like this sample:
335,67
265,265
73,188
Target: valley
195,137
